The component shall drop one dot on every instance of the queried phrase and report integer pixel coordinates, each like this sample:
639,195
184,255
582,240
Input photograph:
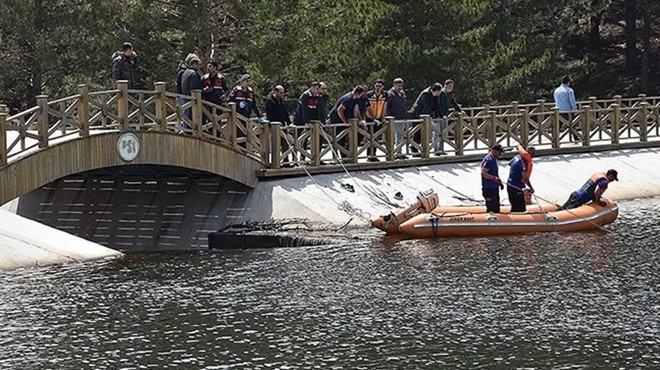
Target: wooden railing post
643,121
198,130
524,129
265,143
492,128
83,109
617,100
275,144
42,120
642,97
233,125
161,103
616,122
458,134
541,104
556,128
425,135
586,117
316,143
3,138
389,138
353,139
122,104
514,107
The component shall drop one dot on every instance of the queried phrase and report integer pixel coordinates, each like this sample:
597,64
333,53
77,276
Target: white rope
343,206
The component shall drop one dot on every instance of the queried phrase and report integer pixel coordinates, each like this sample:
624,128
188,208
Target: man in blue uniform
490,180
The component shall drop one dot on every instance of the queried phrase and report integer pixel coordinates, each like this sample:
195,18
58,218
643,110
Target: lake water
585,300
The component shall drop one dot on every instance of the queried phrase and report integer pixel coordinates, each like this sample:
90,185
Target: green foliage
496,50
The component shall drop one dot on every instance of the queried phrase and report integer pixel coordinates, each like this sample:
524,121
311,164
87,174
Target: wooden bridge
88,131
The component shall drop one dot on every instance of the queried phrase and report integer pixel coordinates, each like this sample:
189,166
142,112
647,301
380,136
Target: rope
371,192
343,206
461,196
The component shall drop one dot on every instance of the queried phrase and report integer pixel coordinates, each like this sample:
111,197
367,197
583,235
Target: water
587,300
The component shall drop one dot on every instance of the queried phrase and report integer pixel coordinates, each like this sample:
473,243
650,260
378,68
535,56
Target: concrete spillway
24,242
554,178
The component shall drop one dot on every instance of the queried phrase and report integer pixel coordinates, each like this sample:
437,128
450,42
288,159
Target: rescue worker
490,181
592,190
521,170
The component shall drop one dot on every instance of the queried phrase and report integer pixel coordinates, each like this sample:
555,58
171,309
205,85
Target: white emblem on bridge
128,146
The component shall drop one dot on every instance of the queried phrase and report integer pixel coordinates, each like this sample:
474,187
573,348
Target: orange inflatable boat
436,225
427,202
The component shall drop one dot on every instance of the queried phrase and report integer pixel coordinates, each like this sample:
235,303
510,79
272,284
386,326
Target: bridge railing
88,113
597,122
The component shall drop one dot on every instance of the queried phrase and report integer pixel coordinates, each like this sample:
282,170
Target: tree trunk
32,54
594,31
646,43
631,34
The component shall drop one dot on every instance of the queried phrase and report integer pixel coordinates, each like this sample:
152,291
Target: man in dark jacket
307,109
182,68
243,96
427,103
276,111
215,84
124,65
445,100
190,80
397,107
352,105
246,102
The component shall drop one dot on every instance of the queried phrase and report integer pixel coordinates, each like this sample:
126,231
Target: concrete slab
25,243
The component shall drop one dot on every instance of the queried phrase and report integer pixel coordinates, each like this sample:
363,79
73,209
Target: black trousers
573,201
492,197
371,151
517,199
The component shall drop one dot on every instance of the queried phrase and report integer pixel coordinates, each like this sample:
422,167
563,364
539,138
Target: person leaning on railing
307,109
397,107
352,105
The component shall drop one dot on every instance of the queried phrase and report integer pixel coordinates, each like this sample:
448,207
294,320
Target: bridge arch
100,151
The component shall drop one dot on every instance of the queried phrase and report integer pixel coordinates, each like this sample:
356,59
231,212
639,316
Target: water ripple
586,300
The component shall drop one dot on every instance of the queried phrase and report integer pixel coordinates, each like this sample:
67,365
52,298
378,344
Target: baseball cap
398,80
127,45
614,174
245,77
499,148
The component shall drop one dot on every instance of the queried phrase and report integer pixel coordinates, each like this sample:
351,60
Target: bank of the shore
25,243
320,198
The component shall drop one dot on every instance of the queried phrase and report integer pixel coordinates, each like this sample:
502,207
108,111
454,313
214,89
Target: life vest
377,104
527,158
589,187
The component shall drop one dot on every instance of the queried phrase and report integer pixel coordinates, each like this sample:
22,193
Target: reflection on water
540,301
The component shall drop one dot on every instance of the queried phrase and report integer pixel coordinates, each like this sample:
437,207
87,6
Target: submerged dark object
228,240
